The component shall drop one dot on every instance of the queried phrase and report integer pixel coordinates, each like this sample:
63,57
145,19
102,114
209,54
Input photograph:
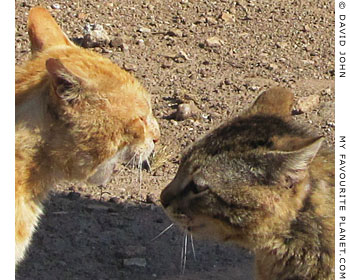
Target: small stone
183,112
327,91
273,66
254,88
213,42
124,47
308,103
227,17
306,28
183,55
227,82
331,124
144,30
307,61
175,32
130,67
95,36
281,45
186,111
56,6
141,262
140,42
232,10
150,198
174,122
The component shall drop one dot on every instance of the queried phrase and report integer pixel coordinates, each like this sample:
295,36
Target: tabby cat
77,113
263,182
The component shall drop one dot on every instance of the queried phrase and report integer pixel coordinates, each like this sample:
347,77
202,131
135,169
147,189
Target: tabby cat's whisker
192,245
163,231
184,254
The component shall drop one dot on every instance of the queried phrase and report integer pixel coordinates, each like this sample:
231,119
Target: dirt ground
86,234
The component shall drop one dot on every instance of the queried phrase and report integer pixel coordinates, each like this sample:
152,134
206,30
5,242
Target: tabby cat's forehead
244,134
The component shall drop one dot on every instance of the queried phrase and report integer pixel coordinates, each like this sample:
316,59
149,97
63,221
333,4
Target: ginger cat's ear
65,84
44,32
276,101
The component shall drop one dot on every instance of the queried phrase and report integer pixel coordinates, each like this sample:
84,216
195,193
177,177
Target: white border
342,119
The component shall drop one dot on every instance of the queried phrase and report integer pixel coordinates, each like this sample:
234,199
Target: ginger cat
77,113
263,182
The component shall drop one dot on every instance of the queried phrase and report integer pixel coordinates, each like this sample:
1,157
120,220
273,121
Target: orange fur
77,113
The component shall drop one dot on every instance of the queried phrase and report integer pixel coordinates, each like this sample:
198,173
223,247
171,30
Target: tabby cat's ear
65,84
301,158
292,163
276,101
44,32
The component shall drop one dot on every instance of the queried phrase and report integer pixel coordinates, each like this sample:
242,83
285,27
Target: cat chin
103,172
204,227
135,153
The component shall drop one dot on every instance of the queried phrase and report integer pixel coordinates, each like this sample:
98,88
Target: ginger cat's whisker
124,167
162,232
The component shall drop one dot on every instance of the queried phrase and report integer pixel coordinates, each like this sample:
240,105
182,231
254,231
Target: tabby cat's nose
173,190
167,195
180,189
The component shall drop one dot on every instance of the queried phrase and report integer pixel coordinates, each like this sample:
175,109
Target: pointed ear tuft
276,101
65,84
300,159
43,31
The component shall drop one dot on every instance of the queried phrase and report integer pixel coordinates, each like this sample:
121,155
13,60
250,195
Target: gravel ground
214,57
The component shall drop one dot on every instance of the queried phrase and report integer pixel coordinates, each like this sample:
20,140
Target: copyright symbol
342,5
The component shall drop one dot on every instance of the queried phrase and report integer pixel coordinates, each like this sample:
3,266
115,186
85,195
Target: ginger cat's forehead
101,77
